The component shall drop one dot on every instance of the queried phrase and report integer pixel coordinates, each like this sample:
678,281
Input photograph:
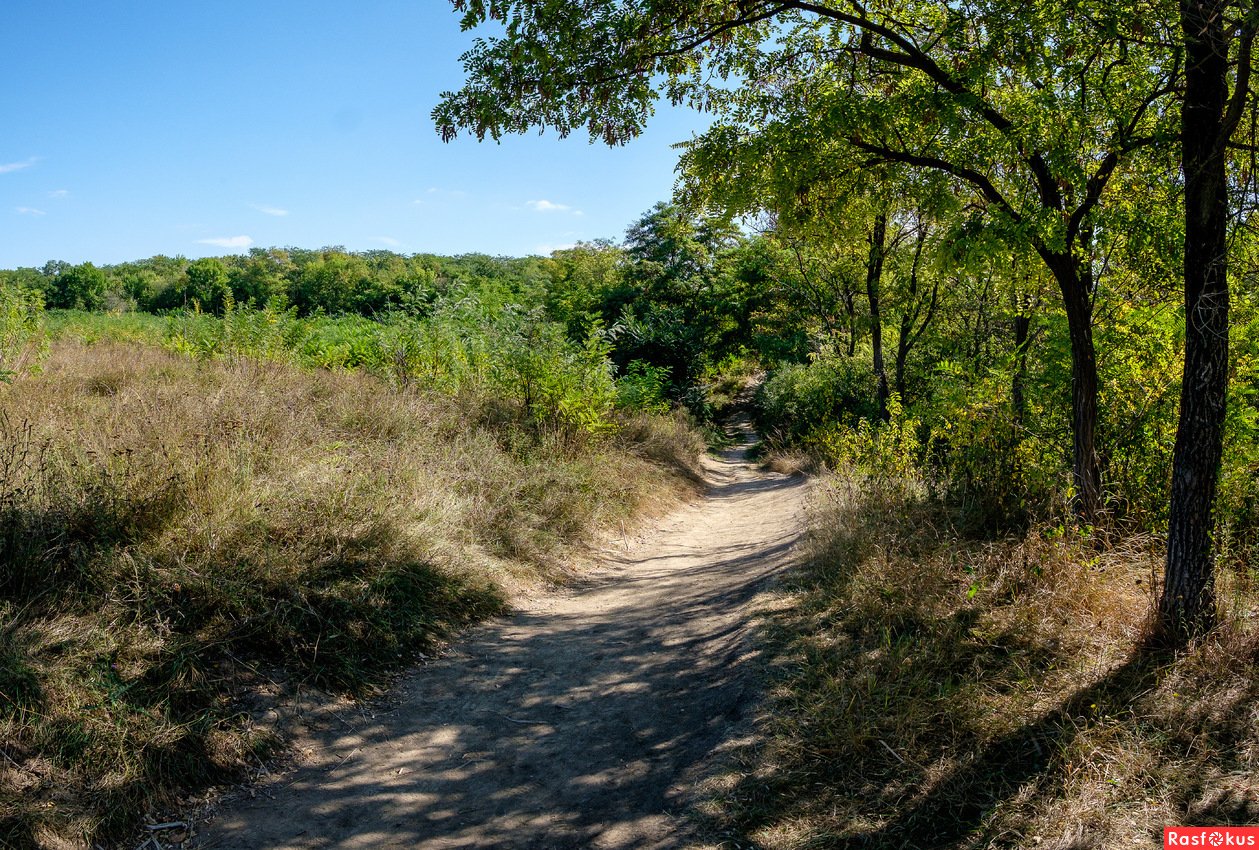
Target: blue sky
139,128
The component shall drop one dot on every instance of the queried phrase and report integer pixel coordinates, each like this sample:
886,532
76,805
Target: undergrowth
175,531
935,691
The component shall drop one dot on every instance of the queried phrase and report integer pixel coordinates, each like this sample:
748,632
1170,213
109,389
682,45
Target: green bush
558,382
642,387
797,399
21,330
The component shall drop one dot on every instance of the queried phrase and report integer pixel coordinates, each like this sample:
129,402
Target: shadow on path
577,722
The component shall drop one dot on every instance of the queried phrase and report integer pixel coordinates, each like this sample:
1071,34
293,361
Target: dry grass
175,533
937,692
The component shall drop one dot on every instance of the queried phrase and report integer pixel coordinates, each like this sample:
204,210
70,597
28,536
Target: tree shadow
890,725
576,725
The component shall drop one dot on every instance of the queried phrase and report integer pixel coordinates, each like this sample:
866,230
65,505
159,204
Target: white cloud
387,240
59,193
30,211
18,166
266,210
228,241
545,206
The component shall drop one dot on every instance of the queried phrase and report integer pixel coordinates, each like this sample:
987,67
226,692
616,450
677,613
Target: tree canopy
1041,117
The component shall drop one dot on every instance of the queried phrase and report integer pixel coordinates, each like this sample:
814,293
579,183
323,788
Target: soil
586,719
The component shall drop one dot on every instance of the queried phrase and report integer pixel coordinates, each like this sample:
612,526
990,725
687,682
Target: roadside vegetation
932,687
200,514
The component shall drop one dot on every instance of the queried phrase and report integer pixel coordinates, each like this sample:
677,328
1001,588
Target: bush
797,399
556,381
642,387
21,330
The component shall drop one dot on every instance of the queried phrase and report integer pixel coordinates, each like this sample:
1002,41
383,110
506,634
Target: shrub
642,387
21,330
796,399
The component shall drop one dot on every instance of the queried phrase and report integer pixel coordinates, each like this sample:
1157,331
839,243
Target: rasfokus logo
1210,836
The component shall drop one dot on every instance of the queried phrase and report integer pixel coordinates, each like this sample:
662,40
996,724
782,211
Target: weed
931,690
169,528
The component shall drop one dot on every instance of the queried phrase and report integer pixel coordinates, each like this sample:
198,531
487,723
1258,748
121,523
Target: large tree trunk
1074,280
1187,606
874,276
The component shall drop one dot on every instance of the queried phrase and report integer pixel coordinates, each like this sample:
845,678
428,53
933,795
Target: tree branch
977,179
909,55
1241,90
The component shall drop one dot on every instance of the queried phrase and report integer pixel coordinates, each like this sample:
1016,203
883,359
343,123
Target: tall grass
516,354
931,690
171,529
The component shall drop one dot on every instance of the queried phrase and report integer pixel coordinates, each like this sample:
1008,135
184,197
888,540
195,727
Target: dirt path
581,721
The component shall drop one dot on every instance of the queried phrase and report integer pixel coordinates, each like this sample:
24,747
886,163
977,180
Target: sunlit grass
176,532
934,691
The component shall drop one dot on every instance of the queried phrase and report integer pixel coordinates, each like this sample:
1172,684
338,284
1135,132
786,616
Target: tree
581,277
79,287
1210,114
671,306
261,277
997,95
205,283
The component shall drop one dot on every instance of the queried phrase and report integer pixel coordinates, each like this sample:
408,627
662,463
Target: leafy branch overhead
1030,110
1032,105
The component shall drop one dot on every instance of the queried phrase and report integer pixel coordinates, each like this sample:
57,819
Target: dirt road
581,721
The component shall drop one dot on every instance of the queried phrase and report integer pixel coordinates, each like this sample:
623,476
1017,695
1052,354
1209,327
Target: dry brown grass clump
931,691
172,532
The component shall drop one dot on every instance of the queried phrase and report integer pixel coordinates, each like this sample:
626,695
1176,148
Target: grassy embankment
930,690
178,534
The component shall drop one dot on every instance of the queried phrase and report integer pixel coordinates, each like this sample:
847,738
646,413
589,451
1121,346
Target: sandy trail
582,720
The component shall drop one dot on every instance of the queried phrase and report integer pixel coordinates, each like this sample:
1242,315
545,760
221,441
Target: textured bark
1187,605
1075,283
874,276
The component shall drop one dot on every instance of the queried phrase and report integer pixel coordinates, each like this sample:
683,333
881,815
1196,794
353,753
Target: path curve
582,720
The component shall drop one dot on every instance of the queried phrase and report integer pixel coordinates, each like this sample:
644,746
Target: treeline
671,305
329,280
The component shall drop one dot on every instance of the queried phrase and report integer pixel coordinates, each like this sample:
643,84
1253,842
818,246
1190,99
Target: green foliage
642,387
79,287
1237,507
206,286
21,330
679,297
994,472
581,280
885,456
520,354
106,327
561,384
798,399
